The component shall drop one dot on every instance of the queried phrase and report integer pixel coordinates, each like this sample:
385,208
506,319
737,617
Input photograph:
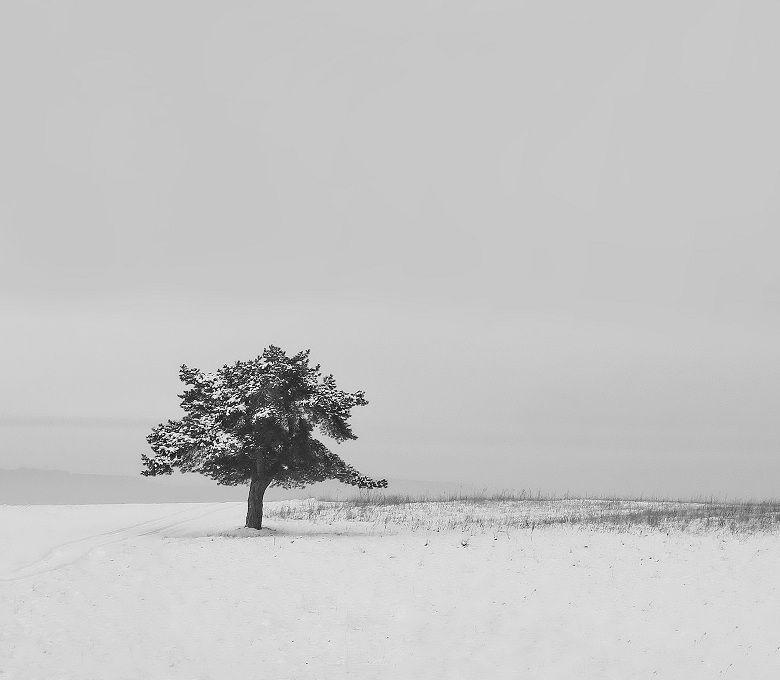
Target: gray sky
542,236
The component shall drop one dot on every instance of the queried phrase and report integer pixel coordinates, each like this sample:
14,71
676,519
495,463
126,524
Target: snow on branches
257,417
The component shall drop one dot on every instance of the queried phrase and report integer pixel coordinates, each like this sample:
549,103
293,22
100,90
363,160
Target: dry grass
483,512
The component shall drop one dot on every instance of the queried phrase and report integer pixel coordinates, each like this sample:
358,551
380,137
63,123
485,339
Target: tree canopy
252,422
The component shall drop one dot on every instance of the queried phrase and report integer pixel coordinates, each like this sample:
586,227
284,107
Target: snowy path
70,551
180,593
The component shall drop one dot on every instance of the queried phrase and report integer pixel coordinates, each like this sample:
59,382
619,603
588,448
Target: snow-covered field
181,591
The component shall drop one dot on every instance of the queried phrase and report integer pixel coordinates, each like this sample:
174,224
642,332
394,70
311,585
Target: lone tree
252,422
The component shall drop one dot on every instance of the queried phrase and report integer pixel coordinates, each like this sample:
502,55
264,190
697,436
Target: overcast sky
542,236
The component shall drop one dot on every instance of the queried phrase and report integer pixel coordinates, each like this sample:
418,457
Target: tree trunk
257,487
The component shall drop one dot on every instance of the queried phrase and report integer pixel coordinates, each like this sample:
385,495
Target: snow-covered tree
252,422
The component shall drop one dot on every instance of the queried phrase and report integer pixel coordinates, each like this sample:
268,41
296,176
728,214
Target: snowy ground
179,591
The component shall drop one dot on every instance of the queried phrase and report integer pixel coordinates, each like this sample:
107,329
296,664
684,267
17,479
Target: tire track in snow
70,552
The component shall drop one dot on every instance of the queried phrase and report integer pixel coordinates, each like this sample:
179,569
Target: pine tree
252,422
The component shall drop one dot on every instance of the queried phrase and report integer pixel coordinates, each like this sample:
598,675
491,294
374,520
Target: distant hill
31,486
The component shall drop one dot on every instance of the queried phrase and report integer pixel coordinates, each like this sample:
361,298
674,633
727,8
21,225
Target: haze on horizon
542,237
